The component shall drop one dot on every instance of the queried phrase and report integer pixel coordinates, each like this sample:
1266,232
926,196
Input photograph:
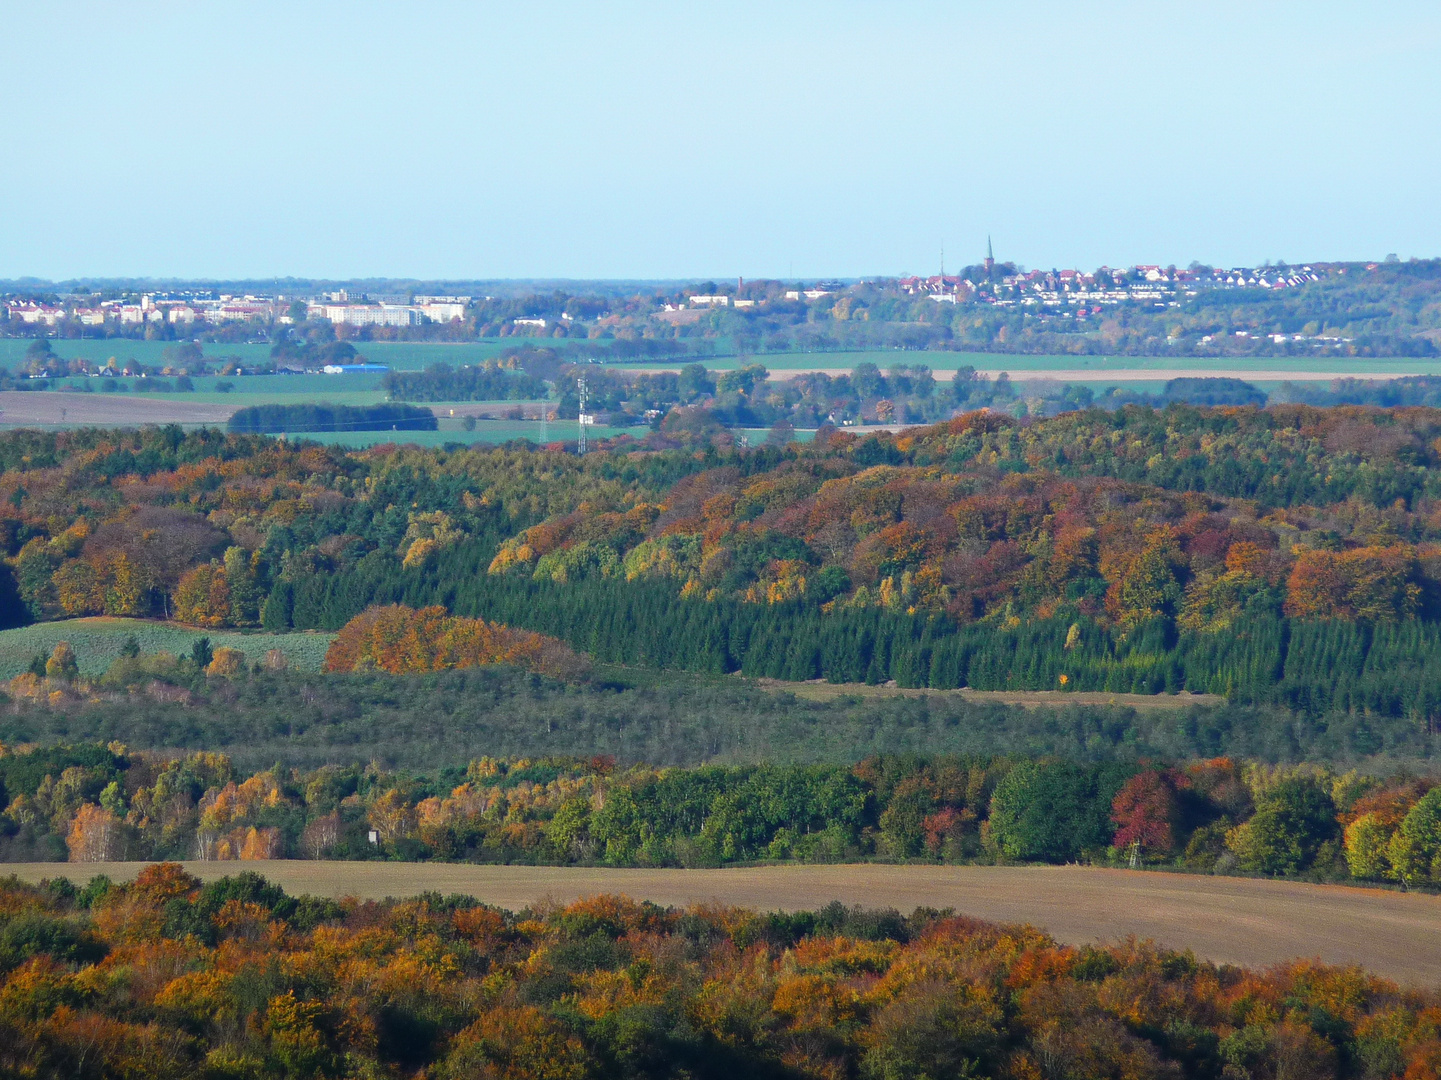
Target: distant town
1381,308
183,309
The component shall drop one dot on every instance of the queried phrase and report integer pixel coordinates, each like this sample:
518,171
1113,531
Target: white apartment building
711,301
366,314
441,311
33,313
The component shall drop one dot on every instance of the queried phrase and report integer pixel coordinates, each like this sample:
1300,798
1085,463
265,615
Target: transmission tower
580,389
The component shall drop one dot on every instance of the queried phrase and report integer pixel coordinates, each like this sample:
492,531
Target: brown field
1227,920
824,691
19,407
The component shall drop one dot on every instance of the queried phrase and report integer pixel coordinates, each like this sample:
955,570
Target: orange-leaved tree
403,641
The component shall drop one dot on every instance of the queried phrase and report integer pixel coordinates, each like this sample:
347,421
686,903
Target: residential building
441,311
33,313
366,314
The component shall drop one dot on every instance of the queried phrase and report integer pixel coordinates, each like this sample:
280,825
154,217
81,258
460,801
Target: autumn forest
610,660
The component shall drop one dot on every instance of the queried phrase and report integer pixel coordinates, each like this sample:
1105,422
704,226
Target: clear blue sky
709,140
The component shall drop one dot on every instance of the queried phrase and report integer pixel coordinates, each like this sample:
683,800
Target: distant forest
1285,556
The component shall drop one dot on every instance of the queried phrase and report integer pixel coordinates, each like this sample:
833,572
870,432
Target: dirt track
18,407
1231,920
821,690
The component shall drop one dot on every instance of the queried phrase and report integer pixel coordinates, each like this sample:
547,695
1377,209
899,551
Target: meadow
1020,365
486,432
401,355
97,642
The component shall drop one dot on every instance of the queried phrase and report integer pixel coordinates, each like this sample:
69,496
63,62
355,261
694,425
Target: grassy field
400,355
97,642
486,431
1039,365
98,350
1225,920
335,393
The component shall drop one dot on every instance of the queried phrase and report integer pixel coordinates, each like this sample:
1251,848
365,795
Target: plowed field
1231,920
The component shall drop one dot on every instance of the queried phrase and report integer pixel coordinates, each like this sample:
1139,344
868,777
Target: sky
705,140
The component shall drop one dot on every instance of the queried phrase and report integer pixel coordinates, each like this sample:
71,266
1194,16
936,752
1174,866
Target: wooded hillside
1286,554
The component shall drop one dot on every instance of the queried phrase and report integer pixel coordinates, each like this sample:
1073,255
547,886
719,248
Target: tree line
94,803
490,381
274,419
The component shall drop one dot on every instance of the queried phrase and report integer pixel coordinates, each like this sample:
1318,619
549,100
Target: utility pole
580,389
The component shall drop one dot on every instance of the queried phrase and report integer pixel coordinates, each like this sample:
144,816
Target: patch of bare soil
19,407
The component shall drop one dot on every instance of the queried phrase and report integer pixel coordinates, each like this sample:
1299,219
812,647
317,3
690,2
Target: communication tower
580,390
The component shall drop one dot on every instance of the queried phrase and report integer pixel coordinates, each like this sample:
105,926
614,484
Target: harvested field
1226,920
24,407
824,691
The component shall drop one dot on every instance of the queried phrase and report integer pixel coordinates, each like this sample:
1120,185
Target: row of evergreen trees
1309,666
277,419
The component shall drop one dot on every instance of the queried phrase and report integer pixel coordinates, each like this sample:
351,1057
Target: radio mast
580,389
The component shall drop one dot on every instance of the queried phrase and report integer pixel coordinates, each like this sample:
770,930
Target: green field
1017,363
97,642
416,355
335,394
486,431
98,350
401,355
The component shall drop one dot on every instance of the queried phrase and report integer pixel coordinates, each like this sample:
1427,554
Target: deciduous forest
92,803
1281,556
167,977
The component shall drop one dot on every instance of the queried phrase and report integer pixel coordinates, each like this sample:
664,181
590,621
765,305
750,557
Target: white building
366,314
441,311
240,310
33,313
711,301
